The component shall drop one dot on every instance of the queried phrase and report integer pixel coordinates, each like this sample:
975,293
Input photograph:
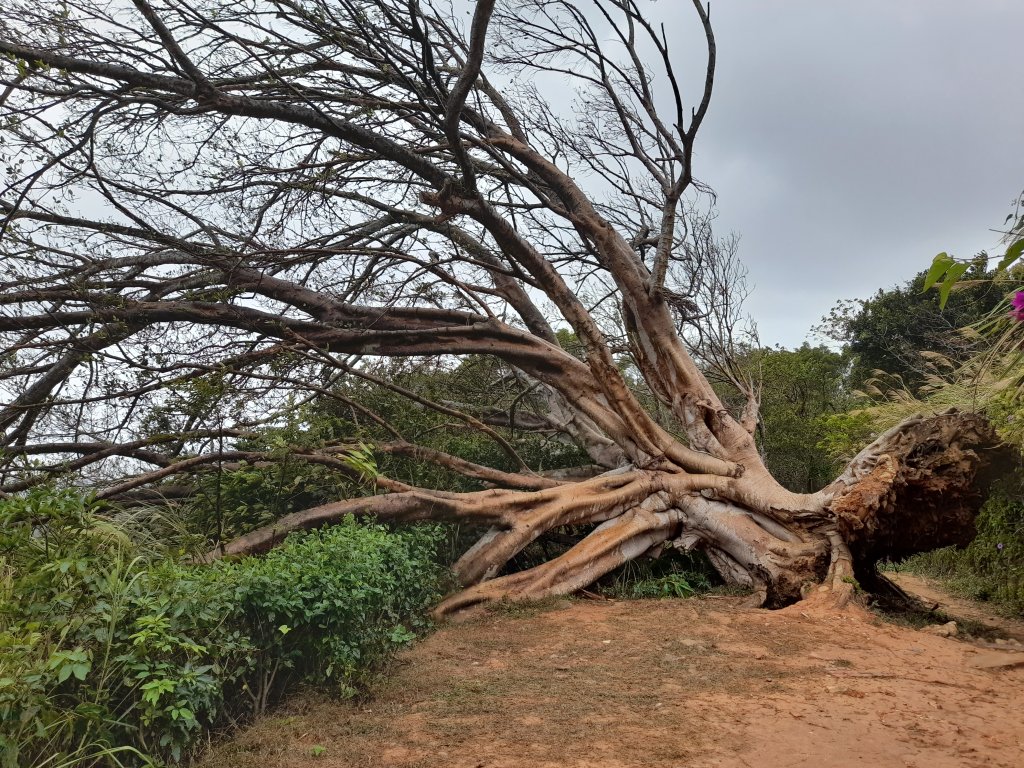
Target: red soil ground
699,682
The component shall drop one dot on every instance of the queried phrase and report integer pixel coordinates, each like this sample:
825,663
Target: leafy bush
327,605
231,502
110,656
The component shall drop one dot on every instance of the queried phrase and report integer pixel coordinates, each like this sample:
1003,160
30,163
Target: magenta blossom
1017,313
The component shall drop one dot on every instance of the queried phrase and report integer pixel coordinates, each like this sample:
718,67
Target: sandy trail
932,594
701,682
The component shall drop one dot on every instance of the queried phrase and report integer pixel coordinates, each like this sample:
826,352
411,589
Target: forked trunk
366,190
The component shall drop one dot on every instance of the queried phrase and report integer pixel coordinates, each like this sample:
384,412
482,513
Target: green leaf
1013,253
954,273
940,264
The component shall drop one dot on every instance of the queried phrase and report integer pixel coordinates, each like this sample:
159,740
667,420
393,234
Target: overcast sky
849,142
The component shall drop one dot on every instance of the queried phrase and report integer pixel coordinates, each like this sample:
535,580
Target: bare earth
932,594
700,682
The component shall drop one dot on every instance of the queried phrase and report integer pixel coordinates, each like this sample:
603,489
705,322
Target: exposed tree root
916,487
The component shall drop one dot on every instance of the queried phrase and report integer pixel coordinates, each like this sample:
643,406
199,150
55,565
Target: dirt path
702,682
932,593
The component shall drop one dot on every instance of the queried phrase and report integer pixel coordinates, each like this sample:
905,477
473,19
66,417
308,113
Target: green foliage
944,272
673,574
326,605
804,390
672,585
110,655
844,434
897,329
1004,408
230,502
992,566
570,342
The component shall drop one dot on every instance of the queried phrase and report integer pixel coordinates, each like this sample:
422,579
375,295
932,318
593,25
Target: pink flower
1017,313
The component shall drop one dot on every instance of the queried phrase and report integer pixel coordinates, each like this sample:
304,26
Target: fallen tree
273,193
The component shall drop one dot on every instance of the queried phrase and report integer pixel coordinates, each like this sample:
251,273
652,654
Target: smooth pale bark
454,168
916,487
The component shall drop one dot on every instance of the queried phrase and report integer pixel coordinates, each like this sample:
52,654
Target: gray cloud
849,142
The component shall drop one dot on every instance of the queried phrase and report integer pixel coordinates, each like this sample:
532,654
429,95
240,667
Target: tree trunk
917,487
366,190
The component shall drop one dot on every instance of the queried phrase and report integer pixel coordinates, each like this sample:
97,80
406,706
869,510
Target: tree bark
364,190
917,487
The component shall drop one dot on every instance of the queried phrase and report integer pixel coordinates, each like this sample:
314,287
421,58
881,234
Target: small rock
948,629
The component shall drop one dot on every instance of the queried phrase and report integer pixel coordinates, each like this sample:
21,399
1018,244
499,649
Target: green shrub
112,656
327,605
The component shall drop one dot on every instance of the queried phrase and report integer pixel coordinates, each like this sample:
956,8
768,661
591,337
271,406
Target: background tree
900,329
251,201
802,389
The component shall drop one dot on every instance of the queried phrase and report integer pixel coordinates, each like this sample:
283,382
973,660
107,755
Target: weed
671,575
